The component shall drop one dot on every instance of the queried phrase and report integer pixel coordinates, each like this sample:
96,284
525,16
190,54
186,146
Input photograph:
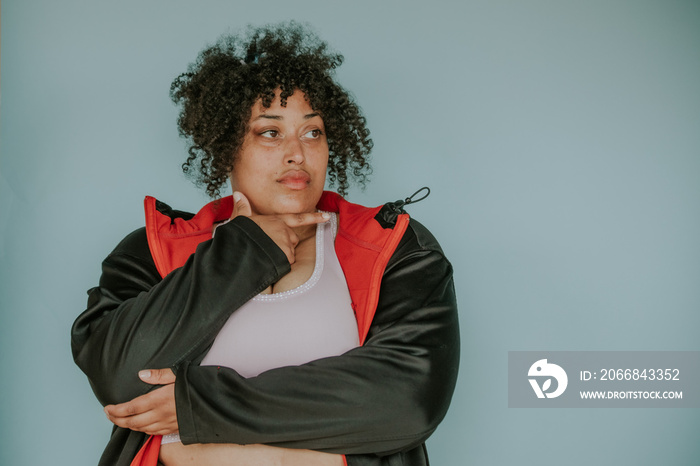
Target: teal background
561,140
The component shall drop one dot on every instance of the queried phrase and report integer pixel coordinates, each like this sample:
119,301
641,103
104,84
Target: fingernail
144,374
236,196
326,215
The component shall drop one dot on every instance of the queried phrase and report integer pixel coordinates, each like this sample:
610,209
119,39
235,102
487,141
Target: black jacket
376,404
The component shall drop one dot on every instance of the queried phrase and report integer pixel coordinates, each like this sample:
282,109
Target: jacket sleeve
386,396
135,320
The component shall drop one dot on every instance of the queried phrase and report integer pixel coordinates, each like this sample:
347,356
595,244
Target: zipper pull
398,206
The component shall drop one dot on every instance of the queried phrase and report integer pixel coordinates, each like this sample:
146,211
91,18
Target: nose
294,152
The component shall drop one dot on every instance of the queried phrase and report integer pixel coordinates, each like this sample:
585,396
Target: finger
128,409
151,422
141,404
157,376
135,422
308,218
289,252
152,413
293,238
241,205
160,429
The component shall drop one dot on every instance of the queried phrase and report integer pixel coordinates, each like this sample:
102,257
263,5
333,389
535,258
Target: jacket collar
363,244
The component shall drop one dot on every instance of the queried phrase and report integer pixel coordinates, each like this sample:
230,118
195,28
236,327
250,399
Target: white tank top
312,321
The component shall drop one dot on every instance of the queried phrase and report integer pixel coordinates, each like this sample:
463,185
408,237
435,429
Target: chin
297,203
286,205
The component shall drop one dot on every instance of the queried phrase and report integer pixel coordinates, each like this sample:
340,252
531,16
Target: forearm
227,454
136,322
385,396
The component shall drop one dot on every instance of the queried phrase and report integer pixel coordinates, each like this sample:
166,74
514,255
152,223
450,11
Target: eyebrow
278,117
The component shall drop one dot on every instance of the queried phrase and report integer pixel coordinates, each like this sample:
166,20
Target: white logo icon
543,369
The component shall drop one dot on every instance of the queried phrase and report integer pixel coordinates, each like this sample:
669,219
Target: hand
153,413
280,228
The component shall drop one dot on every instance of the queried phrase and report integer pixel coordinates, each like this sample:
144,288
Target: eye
313,134
270,133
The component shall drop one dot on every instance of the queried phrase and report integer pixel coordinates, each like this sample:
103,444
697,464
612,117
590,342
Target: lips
295,179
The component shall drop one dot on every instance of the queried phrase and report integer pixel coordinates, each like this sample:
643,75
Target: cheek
249,168
322,160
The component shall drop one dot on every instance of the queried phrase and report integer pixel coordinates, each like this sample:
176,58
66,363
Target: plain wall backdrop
561,140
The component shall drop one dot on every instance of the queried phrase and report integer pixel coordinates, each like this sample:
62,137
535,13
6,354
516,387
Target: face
281,167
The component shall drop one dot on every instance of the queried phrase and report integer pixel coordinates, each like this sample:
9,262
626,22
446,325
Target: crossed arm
386,396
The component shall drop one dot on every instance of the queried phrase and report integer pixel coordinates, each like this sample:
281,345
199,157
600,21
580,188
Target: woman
343,353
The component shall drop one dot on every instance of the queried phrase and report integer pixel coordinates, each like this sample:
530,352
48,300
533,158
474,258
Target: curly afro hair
219,89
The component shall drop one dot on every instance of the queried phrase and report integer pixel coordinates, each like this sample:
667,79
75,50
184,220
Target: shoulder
379,222
421,236
418,238
127,270
132,253
134,244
